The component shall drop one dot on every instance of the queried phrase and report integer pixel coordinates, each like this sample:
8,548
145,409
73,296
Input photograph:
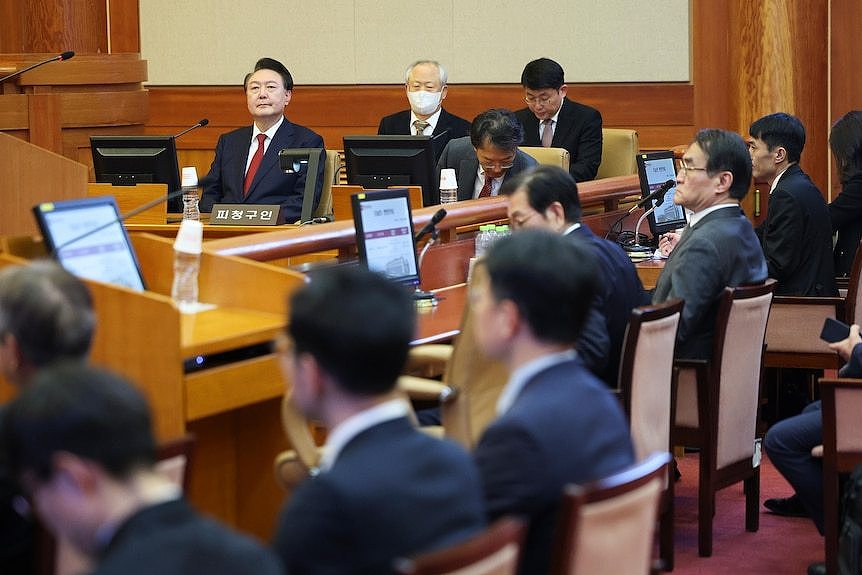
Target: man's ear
725,180
555,214
76,472
11,359
780,154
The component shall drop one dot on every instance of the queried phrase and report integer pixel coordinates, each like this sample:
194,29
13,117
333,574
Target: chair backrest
738,358
548,156
330,177
619,148
296,428
646,375
854,292
608,526
342,209
477,381
495,551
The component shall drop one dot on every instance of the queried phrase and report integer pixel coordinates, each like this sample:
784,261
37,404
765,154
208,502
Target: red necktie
486,187
254,165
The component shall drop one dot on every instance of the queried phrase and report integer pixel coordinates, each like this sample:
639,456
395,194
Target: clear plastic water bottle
187,258
448,186
502,231
483,239
190,194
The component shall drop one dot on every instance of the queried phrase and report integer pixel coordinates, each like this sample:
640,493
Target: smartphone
834,330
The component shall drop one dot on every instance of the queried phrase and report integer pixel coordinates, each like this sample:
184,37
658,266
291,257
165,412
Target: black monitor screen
89,240
384,234
376,162
654,169
130,160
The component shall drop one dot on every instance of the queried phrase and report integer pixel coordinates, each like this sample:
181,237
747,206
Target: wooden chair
842,452
292,466
717,405
608,526
548,156
648,394
495,551
619,148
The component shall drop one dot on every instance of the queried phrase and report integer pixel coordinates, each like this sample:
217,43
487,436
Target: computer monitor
381,161
88,239
654,169
384,234
130,160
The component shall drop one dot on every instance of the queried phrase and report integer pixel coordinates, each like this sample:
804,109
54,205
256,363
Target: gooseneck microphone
432,224
660,192
59,57
201,123
120,220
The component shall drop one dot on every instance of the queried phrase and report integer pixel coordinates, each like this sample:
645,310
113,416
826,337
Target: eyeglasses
543,100
685,168
282,344
497,165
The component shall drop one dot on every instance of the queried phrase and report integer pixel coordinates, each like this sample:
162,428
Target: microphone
120,220
63,56
201,123
660,192
429,227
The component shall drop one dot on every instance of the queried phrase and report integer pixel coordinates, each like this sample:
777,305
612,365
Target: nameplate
245,214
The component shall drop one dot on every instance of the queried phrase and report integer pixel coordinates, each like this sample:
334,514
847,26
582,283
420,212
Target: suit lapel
467,174
282,139
564,124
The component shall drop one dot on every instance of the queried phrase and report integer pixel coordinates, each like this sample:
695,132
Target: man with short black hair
385,489
46,316
557,423
546,197
246,167
718,247
79,439
488,157
552,120
797,233
425,83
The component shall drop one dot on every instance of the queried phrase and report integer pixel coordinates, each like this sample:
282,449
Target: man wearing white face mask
426,90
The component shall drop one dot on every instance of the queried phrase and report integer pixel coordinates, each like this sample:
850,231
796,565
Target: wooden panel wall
846,64
53,26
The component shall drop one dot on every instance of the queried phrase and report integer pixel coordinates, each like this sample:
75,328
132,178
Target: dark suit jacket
16,532
460,155
224,182
564,427
846,214
721,250
449,127
579,130
172,539
619,291
797,237
393,491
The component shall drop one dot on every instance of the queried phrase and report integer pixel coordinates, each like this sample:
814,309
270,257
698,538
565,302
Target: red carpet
781,545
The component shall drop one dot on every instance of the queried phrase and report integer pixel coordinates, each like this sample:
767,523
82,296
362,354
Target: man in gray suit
488,157
718,247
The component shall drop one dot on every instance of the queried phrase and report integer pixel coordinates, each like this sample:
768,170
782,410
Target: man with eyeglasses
246,166
425,82
552,120
488,156
718,247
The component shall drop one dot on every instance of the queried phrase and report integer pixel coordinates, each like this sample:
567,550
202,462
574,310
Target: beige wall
214,42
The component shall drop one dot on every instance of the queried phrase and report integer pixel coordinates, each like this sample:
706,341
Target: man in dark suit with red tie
426,90
552,120
246,166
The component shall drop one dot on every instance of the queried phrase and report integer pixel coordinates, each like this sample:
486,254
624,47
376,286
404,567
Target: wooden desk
648,272
440,323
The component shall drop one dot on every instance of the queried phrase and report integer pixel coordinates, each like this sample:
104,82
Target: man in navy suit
547,197
80,441
718,247
426,89
557,423
797,233
552,120
487,158
385,489
246,167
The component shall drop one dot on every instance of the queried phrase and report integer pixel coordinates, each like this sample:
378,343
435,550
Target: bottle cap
190,177
190,237
448,181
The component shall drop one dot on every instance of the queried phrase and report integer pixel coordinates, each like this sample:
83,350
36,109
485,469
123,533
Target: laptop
384,234
88,238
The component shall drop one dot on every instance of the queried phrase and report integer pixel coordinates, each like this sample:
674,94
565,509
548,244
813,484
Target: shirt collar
572,228
348,429
270,133
778,177
521,376
432,119
697,216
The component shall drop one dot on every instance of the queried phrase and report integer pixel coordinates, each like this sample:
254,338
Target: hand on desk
845,346
667,242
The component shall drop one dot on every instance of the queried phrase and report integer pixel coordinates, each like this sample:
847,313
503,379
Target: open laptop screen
88,239
384,234
654,169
